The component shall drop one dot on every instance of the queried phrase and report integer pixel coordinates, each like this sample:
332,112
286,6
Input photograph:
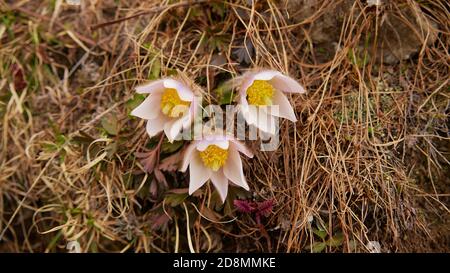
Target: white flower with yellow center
170,107
261,90
215,158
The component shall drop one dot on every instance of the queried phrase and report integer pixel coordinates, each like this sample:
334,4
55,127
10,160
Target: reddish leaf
244,206
160,221
261,209
265,207
148,160
153,189
42,53
170,164
160,177
178,191
19,80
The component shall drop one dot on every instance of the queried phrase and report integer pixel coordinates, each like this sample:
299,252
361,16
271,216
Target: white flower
74,2
261,90
170,107
374,3
73,247
373,247
215,158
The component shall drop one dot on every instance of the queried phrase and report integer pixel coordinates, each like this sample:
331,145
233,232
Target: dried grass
367,161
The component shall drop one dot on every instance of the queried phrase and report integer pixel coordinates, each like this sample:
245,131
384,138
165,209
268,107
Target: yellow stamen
260,93
172,105
214,157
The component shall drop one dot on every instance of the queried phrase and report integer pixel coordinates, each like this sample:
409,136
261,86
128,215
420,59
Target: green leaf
172,72
356,59
83,138
240,193
317,247
215,201
155,71
175,199
93,247
60,140
336,240
76,211
55,240
49,147
321,233
219,8
228,207
35,35
224,93
110,125
134,102
169,148
111,149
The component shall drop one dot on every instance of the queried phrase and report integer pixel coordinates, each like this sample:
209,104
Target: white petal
284,110
250,113
149,108
154,126
266,122
249,77
239,146
173,127
187,154
183,91
266,75
203,144
151,87
257,116
199,174
286,84
233,169
247,81
220,182
187,120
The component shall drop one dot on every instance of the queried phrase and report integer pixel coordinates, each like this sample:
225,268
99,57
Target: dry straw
368,160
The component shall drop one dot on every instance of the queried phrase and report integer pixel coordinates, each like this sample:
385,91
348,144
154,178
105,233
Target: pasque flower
215,157
170,106
259,91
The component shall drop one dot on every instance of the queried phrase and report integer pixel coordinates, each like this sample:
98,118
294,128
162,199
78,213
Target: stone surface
401,31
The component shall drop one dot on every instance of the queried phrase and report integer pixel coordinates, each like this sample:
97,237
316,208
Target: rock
402,31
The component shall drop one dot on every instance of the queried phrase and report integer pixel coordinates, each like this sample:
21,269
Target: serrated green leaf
60,140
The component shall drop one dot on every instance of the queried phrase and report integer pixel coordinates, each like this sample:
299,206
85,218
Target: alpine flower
259,91
169,107
215,157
